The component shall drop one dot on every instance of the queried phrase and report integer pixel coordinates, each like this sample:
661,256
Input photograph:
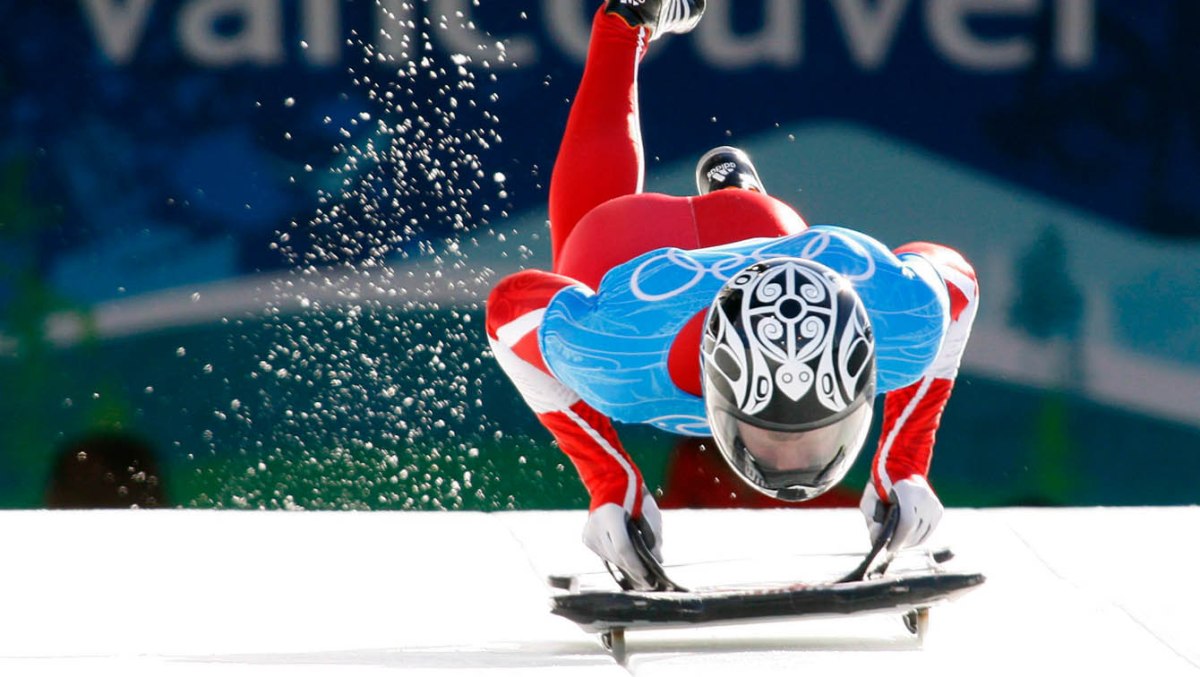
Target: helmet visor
792,465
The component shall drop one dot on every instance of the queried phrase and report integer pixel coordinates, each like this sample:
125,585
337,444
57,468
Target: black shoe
660,16
726,167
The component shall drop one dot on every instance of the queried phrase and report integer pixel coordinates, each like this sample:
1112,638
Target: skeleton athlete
724,315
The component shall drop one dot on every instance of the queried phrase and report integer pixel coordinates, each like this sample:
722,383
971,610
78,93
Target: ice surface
286,593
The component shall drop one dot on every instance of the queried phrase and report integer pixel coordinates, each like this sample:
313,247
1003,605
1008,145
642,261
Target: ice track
167,593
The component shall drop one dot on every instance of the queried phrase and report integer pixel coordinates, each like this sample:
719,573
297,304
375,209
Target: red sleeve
588,438
911,417
514,311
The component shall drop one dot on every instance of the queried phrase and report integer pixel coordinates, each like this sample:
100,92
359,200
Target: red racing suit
599,218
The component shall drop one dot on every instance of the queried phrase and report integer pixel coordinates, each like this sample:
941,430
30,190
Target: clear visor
805,463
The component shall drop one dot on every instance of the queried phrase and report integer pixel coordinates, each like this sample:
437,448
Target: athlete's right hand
607,534
920,511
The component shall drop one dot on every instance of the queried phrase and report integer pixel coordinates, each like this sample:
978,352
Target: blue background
125,174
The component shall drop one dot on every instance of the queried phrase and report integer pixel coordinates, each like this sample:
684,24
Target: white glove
920,512
607,534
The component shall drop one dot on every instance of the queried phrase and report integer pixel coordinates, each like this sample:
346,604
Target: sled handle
658,576
658,579
868,567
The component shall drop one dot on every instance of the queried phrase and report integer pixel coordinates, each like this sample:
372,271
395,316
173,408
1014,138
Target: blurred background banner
244,244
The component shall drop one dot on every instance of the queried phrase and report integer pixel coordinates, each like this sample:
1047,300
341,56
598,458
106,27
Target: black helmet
789,376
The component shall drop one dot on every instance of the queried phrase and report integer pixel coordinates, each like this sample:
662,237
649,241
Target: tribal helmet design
789,376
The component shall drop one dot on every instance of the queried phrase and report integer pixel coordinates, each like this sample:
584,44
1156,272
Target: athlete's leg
912,414
631,225
601,153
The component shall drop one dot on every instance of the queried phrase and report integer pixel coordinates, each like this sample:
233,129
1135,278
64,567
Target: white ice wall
257,593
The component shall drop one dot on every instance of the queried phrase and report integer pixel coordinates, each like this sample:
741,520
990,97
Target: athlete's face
812,449
786,451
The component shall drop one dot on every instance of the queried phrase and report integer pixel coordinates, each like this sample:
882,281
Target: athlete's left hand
920,511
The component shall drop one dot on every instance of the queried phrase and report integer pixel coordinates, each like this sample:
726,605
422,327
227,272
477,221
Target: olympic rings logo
818,242
682,424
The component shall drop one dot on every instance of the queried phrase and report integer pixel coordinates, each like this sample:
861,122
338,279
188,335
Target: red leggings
599,217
